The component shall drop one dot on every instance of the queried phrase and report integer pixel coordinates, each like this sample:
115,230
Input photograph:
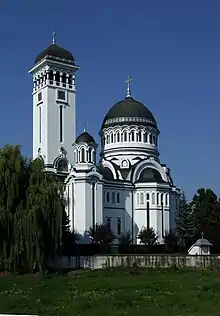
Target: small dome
85,138
133,112
54,51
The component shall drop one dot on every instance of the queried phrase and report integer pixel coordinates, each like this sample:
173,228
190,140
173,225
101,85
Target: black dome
85,138
55,51
134,112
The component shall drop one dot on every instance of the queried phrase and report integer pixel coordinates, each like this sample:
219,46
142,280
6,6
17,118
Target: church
123,184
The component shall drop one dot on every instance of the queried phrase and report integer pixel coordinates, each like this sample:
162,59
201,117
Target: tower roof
55,52
85,138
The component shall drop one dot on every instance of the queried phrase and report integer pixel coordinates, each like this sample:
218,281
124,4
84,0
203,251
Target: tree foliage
205,208
148,236
101,234
185,222
32,205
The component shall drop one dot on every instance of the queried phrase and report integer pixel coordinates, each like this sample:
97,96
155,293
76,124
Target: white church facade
128,188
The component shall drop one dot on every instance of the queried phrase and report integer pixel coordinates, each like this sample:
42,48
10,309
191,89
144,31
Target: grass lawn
114,292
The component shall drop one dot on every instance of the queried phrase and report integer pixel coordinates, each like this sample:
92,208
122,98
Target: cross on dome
85,126
54,37
128,81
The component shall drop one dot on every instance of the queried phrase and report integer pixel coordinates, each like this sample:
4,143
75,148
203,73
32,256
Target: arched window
166,199
139,136
62,165
75,157
125,136
94,156
90,155
70,80
142,198
156,141
132,136
150,139
64,78
145,137
153,198
147,196
138,201
57,76
113,197
158,195
83,155
112,137
108,137
161,198
118,137
51,76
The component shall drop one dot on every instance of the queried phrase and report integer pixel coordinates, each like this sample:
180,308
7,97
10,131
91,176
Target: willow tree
31,211
13,186
45,205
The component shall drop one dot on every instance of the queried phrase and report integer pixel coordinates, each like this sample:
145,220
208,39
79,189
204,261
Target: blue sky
171,49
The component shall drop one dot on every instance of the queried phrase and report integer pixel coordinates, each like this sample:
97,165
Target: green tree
101,234
148,236
205,207
32,205
185,222
125,239
171,240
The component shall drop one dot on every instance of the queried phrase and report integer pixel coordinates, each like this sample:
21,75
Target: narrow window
166,199
142,198
108,222
156,141
148,196
150,139
61,124
51,76
57,78
112,140
138,201
83,155
64,78
118,137
118,197
125,136
113,197
157,198
161,199
40,123
132,136
39,96
90,155
119,226
139,136
107,197
145,137
153,198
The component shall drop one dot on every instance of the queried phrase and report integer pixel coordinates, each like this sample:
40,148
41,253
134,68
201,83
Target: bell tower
54,94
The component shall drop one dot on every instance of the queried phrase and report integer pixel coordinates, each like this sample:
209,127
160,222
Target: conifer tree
185,222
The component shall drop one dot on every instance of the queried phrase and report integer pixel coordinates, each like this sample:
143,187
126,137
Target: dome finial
85,126
128,81
54,37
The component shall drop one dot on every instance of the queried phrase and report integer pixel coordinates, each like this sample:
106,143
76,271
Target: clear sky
171,49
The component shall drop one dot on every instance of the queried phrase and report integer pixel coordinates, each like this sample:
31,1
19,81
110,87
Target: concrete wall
148,261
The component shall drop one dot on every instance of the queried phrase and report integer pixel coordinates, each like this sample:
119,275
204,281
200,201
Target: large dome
129,111
53,52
